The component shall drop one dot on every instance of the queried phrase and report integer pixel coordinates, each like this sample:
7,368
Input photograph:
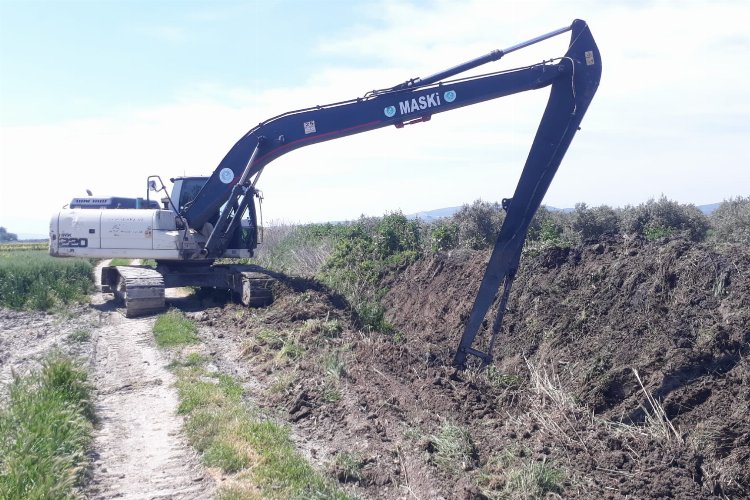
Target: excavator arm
573,79
569,99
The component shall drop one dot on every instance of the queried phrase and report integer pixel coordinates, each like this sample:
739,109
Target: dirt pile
675,311
561,412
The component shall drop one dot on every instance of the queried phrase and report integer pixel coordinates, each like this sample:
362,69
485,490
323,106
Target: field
31,279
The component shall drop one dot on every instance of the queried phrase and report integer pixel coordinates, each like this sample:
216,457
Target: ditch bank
561,412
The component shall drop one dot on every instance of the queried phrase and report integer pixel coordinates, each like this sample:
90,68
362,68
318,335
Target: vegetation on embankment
45,427
255,453
354,259
33,280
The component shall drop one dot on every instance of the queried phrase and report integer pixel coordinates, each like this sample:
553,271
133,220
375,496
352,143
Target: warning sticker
589,57
310,127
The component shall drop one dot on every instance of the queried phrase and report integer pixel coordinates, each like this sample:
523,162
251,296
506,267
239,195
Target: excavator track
142,290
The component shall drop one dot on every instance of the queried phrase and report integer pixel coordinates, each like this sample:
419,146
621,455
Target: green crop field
23,246
31,279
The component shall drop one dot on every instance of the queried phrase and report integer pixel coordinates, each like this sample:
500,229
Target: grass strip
120,262
173,329
258,453
45,428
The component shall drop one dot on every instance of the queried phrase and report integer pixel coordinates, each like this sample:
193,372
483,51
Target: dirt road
139,450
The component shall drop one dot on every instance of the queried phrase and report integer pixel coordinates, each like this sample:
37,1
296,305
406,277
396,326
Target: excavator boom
573,79
410,102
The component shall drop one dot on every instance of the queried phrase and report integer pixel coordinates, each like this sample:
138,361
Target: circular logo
226,175
450,96
390,111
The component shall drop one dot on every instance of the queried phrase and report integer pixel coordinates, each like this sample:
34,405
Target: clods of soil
622,371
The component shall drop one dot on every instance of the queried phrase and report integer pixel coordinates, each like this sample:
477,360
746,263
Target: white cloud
670,117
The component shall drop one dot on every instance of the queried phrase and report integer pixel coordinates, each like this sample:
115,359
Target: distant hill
438,213
708,209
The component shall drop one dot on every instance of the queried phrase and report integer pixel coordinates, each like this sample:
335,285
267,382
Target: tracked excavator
207,218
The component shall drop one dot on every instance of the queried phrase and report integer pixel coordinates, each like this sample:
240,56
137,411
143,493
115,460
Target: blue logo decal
390,111
450,96
226,175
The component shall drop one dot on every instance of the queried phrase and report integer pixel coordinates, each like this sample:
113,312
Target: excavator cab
184,191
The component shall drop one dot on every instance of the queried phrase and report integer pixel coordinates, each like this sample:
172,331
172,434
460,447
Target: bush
479,224
443,235
594,222
364,255
659,218
731,221
550,228
395,234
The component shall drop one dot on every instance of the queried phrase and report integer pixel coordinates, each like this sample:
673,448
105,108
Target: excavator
208,218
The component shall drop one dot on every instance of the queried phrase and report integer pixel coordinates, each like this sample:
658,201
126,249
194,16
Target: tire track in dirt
139,450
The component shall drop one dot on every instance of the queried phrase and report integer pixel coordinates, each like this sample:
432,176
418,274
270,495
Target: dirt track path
139,450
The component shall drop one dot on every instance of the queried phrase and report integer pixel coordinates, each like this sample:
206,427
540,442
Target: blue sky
75,59
99,95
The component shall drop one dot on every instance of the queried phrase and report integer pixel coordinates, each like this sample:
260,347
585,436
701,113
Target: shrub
550,228
731,221
479,224
658,218
592,222
364,255
443,235
395,234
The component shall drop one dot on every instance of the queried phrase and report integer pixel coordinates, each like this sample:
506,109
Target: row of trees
354,258
5,236
476,226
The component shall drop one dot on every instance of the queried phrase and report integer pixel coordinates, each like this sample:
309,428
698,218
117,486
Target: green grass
350,465
512,474
149,263
334,364
79,335
120,262
236,439
454,449
533,480
174,329
45,428
34,280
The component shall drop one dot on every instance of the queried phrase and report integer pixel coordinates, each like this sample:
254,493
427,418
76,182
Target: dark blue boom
573,79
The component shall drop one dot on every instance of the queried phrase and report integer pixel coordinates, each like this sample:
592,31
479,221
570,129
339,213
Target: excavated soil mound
561,412
675,311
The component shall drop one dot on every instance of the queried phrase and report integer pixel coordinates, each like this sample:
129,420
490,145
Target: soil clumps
562,411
